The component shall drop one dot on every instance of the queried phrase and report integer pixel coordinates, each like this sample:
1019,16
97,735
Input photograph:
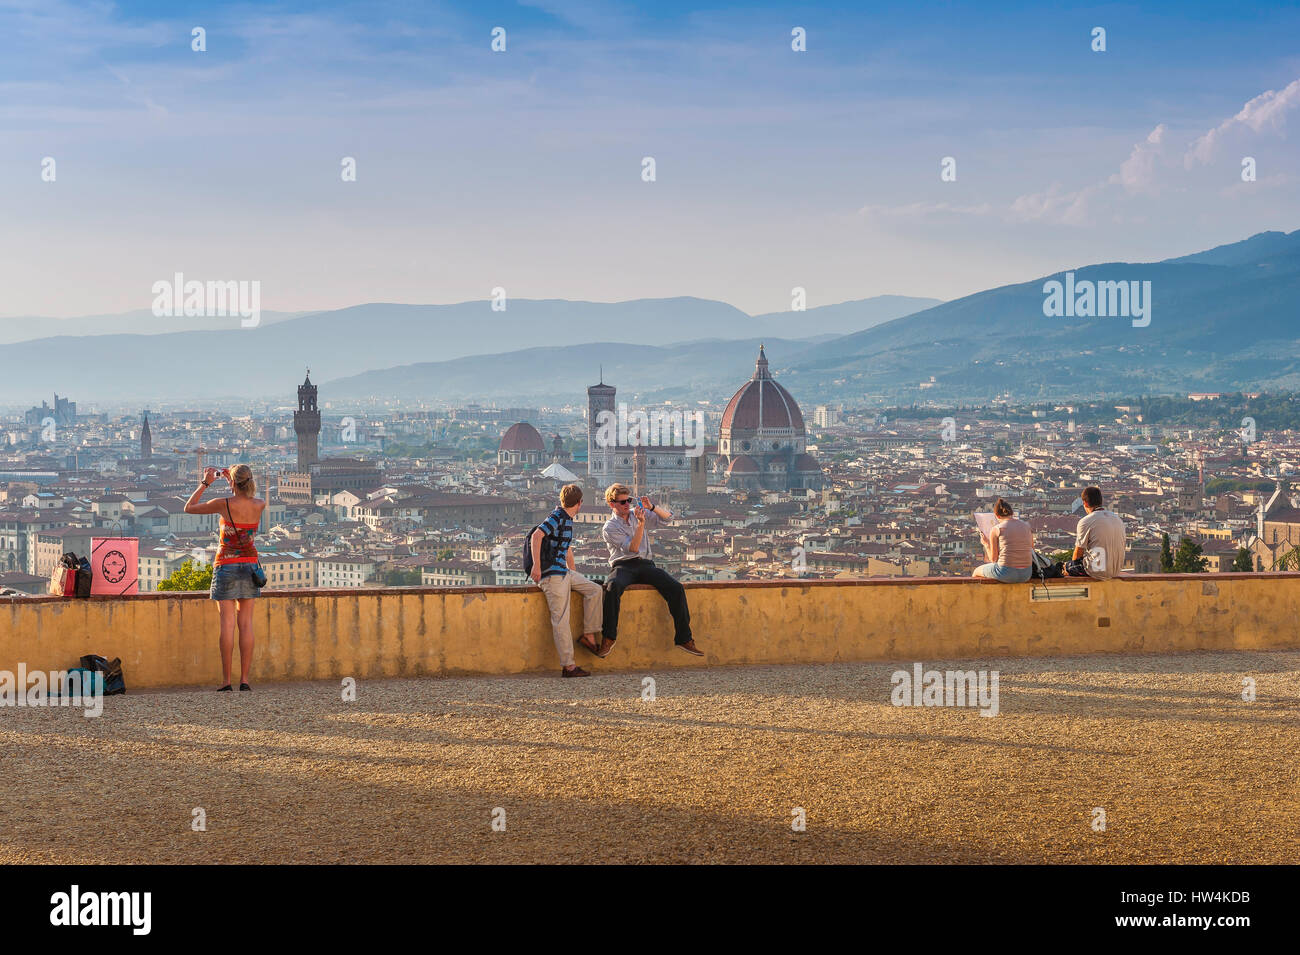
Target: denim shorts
1008,575
233,582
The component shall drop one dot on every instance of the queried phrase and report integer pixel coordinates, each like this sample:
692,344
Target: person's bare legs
226,608
245,638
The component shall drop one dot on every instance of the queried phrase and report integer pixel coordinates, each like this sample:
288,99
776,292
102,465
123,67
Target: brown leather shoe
588,644
606,647
690,647
576,671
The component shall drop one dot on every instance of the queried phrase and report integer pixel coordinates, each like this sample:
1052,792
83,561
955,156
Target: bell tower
600,453
306,423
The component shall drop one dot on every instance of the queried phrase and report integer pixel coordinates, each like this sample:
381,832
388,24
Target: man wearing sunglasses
626,535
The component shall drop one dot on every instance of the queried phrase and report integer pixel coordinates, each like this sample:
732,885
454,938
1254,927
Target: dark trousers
637,571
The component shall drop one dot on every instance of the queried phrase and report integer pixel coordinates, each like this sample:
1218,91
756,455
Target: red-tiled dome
806,462
761,403
521,437
741,464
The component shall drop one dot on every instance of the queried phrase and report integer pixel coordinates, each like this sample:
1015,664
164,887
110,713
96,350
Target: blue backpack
548,550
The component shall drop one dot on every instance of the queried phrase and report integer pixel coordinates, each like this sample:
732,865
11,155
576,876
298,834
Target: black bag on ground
114,683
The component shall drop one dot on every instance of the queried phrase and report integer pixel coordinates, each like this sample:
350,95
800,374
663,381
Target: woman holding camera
235,569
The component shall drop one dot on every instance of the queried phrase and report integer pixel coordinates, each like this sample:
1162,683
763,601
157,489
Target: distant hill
856,316
1259,247
679,372
142,322
270,359
1221,320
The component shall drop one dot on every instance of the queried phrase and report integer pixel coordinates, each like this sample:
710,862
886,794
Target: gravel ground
709,771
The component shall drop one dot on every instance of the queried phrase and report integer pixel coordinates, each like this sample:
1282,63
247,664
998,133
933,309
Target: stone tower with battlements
306,423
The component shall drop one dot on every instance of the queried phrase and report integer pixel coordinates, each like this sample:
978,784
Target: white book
985,521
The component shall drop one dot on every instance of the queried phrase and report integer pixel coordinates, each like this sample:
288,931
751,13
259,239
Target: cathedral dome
521,437
761,404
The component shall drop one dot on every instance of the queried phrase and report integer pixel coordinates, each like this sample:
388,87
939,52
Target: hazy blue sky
522,169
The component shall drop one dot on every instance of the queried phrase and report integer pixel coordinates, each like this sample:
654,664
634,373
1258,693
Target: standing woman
232,570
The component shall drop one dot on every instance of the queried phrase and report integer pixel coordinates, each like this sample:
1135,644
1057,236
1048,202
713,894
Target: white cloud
1054,205
1268,109
1152,165
1138,172
922,210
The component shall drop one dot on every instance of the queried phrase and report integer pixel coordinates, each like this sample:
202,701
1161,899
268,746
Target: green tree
446,554
401,578
1288,561
1188,560
1166,555
188,577
1242,562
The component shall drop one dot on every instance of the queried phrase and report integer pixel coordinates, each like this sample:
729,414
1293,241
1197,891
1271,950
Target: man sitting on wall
626,535
1099,541
557,578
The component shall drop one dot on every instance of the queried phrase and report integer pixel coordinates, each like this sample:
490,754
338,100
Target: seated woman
1009,548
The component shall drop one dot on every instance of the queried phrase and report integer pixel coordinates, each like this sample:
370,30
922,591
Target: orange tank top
236,542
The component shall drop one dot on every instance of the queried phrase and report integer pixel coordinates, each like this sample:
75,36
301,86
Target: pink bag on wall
115,565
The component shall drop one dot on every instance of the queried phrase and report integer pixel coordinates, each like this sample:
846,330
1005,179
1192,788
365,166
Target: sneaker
606,647
690,647
576,671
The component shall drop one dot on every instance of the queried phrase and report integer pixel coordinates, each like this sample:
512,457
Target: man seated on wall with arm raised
1099,541
627,536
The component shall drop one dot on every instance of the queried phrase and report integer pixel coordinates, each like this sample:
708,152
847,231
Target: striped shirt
558,528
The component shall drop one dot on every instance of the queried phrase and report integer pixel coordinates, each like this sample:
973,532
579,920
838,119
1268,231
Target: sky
523,169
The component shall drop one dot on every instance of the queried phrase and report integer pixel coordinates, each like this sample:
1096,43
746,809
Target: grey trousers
557,589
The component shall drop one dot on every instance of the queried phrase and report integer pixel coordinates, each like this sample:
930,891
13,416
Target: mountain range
1224,319
1221,320
270,359
23,328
